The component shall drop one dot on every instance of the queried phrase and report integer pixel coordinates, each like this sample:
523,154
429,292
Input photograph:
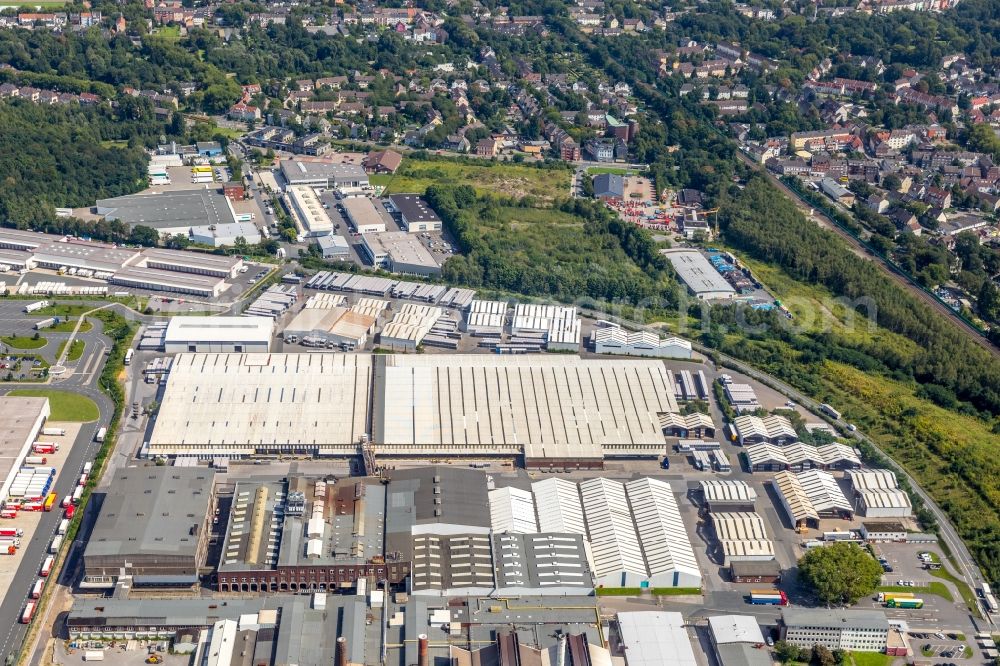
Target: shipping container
93,655
43,447
87,467
56,543
47,566
36,590
35,460
11,532
63,526
886,596
59,432
8,513
101,433
83,480
66,501
6,542
44,323
33,307
77,494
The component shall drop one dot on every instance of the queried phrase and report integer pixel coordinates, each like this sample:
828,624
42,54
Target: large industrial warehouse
553,409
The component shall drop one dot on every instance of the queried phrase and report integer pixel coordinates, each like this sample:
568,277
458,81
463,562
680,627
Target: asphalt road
84,448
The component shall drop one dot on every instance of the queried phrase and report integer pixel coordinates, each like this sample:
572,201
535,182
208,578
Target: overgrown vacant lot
514,180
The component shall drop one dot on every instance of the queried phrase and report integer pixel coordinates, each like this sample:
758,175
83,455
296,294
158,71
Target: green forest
53,156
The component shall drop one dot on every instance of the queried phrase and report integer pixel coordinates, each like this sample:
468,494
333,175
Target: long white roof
664,540
559,506
823,491
726,490
613,537
870,479
512,510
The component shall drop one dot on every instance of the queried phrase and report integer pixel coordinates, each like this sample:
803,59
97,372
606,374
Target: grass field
968,596
934,587
513,180
23,341
75,352
68,326
618,171
171,32
65,406
868,659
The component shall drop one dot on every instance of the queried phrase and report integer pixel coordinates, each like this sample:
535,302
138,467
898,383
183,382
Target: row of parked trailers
691,385
369,285
445,333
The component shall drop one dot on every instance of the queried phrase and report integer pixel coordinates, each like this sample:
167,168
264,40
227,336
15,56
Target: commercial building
836,629
399,252
285,629
95,257
169,213
798,457
559,507
153,526
824,494
694,425
26,241
741,397
415,215
654,638
338,326
152,279
728,496
21,419
551,409
755,572
559,324
738,641
245,404
609,186
196,263
512,510
636,535
699,275
225,234
409,326
773,429
878,495
218,334
486,319
883,531
307,535
363,215
333,246
742,537
616,340
343,177
541,564
310,216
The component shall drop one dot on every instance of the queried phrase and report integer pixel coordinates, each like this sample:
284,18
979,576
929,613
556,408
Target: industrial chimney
422,658
341,651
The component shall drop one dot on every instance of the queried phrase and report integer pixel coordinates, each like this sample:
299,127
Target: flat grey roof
152,511
697,272
95,256
165,278
402,248
192,259
840,619
218,329
362,211
20,239
296,170
169,210
413,208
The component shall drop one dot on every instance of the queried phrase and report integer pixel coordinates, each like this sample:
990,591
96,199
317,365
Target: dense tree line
769,228
53,156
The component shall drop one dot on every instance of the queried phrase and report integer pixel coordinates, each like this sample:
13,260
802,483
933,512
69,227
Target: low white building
409,327
558,323
512,510
218,235
308,212
616,340
655,638
836,629
218,334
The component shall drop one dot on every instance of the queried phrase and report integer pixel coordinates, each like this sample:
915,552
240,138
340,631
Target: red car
70,510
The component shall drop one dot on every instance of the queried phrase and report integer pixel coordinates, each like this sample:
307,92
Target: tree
787,652
821,656
841,573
